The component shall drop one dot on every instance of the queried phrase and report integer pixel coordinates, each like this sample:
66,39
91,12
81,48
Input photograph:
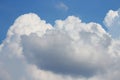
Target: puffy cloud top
27,24
112,22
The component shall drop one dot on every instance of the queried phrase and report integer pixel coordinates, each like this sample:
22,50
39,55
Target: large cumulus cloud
69,50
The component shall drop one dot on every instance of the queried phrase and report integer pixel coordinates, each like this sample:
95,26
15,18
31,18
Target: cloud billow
69,50
112,22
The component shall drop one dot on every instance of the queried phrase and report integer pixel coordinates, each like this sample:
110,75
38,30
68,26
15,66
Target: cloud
69,50
62,6
4,75
112,22
61,53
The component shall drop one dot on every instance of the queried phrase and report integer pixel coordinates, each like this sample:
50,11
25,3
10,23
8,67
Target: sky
51,10
59,40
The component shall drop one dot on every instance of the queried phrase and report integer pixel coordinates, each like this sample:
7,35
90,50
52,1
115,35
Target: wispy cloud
62,6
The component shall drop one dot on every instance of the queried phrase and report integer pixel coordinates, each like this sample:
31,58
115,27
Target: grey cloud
56,51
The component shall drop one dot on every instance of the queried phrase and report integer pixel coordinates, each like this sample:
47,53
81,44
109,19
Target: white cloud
112,22
62,6
70,50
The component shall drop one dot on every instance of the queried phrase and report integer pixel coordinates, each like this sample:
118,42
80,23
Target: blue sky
50,10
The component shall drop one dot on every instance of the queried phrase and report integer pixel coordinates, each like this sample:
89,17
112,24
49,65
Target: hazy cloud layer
69,50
